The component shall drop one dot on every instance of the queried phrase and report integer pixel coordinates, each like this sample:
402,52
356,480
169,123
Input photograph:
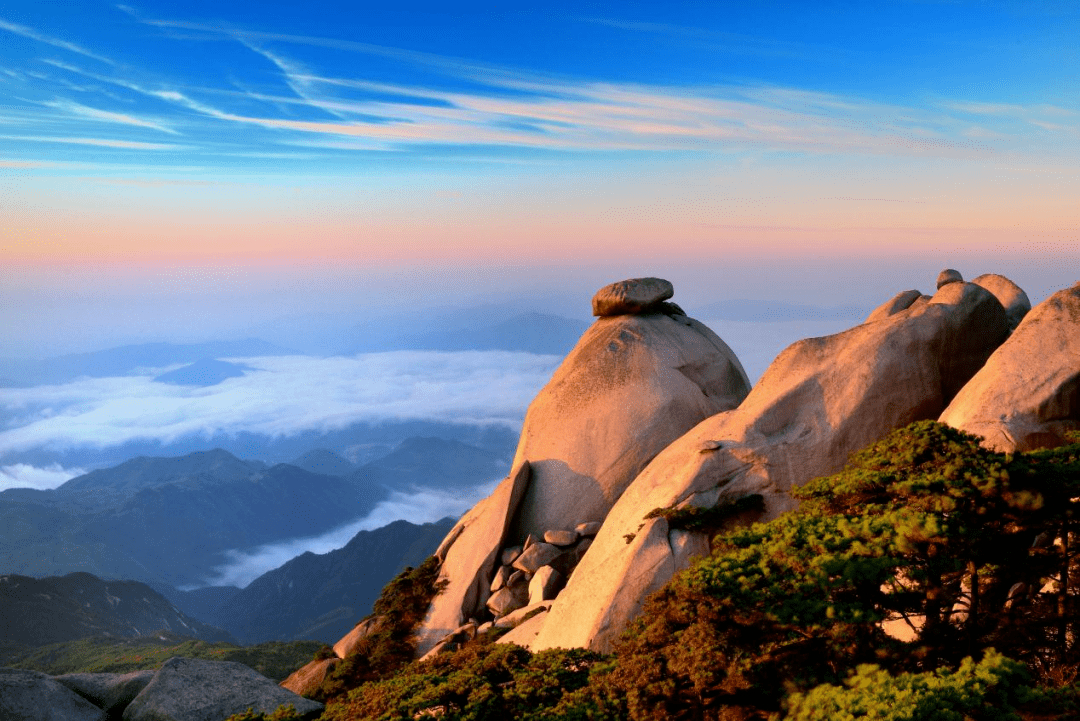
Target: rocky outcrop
468,558
307,679
642,375
1009,294
1027,395
33,696
820,400
188,689
632,385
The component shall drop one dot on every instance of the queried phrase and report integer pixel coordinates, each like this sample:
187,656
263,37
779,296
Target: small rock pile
528,579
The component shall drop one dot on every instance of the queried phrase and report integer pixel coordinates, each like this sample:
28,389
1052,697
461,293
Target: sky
308,173
184,170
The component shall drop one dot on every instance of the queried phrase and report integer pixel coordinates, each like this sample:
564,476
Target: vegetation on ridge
107,654
970,554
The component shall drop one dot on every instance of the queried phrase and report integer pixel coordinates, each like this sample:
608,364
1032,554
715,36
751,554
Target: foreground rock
469,554
309,678
1027,395
33,696
112,692
188,689
634,383
820,400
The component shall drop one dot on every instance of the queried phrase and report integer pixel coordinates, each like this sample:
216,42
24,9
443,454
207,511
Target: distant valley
174,520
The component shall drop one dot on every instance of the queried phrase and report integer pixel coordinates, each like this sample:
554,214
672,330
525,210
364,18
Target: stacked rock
527,580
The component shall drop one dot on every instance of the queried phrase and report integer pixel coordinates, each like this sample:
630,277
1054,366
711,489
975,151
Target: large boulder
1009,294
1027,395
820,400
189,689
111,691
33,696
307,679
632,385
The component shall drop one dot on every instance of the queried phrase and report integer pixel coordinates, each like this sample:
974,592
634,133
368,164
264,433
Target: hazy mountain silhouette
123,360
171,519
525,332
35,612
436,463
316,596
206,372
326,462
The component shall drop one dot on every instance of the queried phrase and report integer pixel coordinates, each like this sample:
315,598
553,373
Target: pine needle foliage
973,553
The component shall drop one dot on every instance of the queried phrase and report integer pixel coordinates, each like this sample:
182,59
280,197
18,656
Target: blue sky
315,145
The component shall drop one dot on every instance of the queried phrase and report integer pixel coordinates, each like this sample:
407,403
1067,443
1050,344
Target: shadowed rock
1009,294
948,276
1027,395
189,689
628,297
33,696
110,691
820,400
901,301
469,554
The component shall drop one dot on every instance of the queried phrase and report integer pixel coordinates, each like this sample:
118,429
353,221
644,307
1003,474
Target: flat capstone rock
631,297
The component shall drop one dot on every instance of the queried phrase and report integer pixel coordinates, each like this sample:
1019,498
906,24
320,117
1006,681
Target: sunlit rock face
641,376
632,385
1027,395
820,400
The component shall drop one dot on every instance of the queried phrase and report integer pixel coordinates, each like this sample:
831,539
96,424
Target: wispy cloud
283,397
107,116
22,475
55,42
100,142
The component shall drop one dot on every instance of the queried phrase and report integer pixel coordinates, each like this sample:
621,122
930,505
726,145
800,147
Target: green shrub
398,611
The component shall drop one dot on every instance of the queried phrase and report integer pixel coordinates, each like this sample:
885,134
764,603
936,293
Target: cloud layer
283,396
22,475
426,506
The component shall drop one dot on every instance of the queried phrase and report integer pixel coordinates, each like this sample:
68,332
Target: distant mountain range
171,519
204,373
35,612
318,597
526,332
359,443
124,360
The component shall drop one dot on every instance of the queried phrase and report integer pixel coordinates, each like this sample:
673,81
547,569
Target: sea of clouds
282,396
